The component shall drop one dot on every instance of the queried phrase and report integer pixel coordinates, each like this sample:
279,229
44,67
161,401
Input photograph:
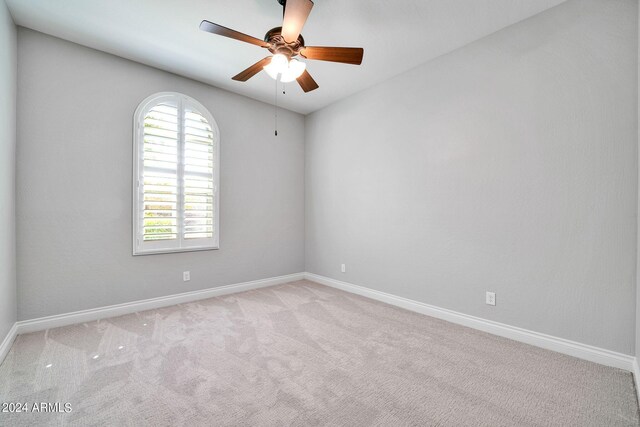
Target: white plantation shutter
198,173
160,173
176,173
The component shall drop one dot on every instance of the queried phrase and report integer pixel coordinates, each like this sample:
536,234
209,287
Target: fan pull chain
276,105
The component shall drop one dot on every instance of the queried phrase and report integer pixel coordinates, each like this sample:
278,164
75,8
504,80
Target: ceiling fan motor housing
277,43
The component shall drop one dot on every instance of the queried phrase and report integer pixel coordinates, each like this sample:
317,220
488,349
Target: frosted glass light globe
278,65
295,70
279,61
286,70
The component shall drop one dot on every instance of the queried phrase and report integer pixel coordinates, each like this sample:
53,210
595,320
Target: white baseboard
5,346
560,345
56,321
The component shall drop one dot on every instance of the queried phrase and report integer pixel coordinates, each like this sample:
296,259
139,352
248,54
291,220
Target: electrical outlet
343,268
186,276
491,298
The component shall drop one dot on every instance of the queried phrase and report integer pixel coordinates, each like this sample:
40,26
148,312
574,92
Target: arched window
175,176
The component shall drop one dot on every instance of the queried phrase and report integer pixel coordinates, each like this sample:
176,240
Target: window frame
140,247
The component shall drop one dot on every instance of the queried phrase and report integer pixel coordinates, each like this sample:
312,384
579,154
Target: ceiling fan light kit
284,69
285,43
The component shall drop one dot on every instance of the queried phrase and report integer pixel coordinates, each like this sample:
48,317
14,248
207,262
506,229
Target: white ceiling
397,35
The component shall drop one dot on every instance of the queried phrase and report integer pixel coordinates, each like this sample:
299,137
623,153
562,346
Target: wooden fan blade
296,13
306,82
252,71
210,27
345,55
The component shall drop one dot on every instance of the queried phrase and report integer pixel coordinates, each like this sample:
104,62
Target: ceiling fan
285,43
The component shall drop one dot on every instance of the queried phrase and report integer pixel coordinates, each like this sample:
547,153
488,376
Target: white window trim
163,247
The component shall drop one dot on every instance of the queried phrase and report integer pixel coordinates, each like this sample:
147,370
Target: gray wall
637,354
75,112
508,165
8,65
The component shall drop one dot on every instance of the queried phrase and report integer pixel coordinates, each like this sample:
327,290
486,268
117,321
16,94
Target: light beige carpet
303,354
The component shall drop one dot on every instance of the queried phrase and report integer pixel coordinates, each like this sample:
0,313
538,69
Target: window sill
175,251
